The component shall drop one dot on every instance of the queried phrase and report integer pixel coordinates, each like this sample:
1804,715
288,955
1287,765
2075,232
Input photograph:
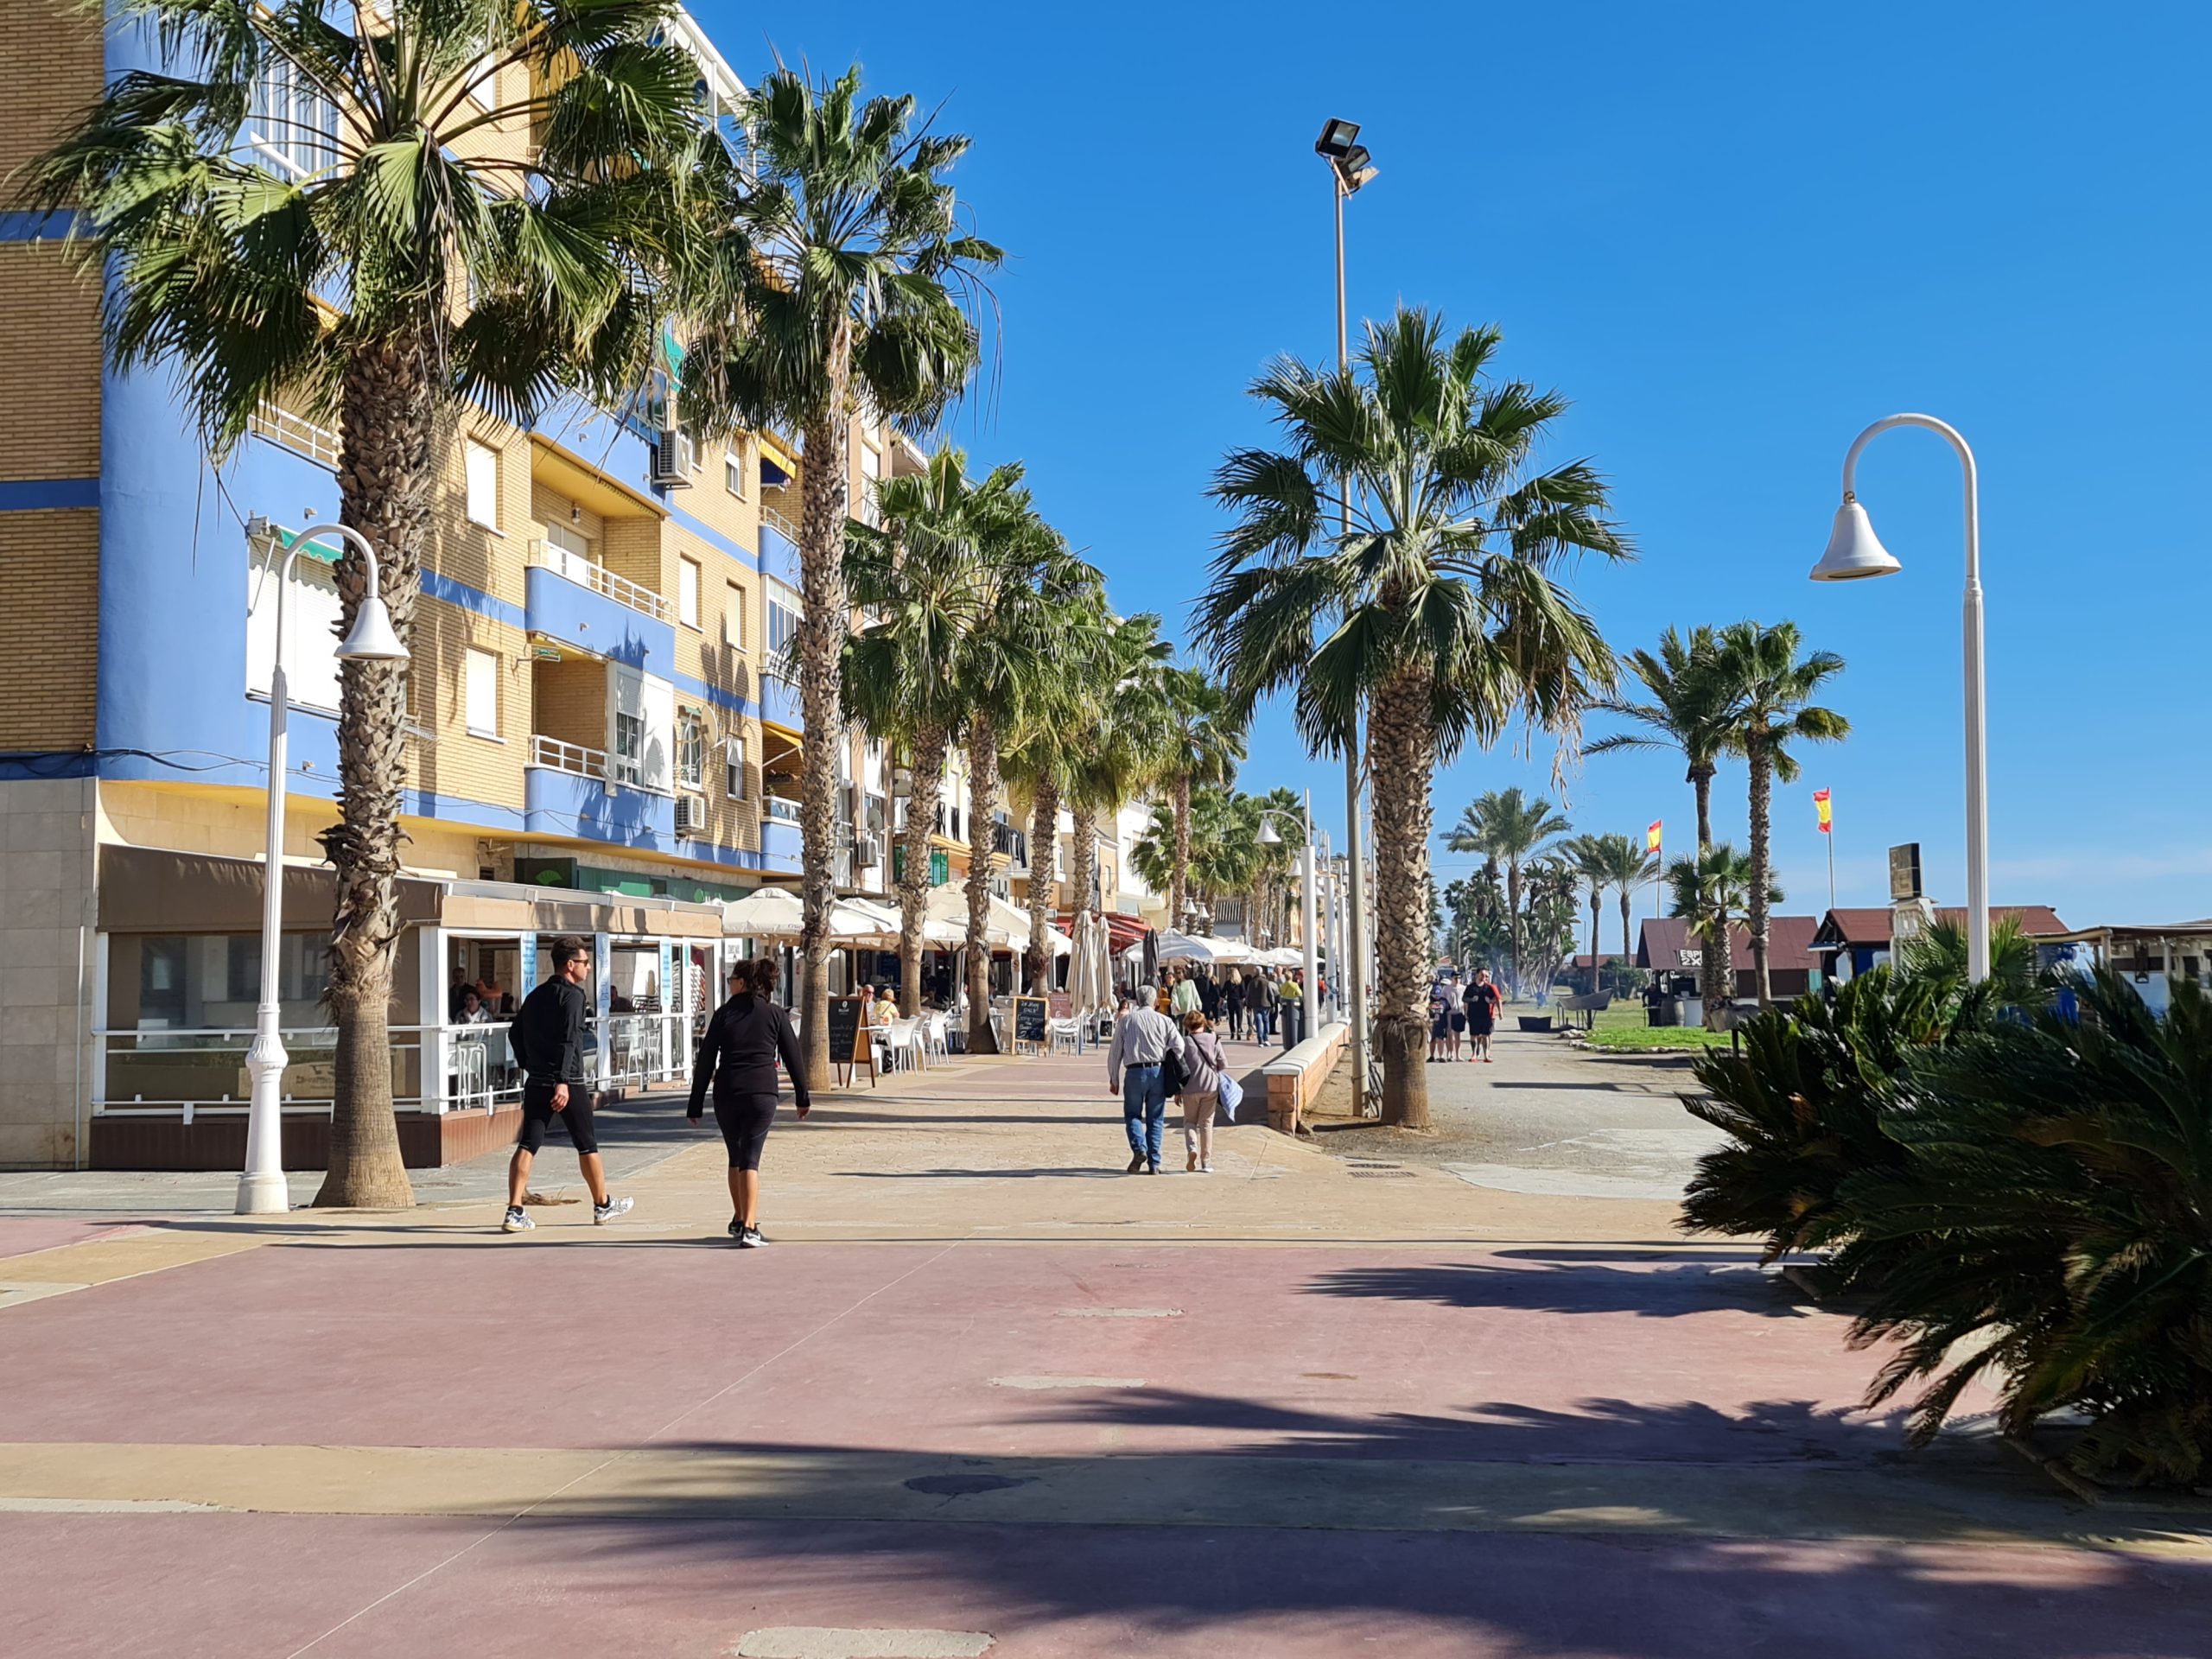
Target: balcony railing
558,755
587,573
780,808
296,433
781,520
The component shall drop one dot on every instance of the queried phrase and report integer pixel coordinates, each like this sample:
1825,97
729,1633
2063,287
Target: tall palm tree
1503,825
1027,584
1709,890
334,289
843,272
1205,742
1625,864
1690,707
1583,854
1124,718
1439,611
1771,689
916,576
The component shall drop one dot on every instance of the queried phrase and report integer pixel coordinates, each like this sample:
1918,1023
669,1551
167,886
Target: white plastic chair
1063,1033
935,1044
909,1048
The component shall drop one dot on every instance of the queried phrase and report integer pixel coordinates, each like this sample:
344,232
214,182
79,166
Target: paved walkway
986,1395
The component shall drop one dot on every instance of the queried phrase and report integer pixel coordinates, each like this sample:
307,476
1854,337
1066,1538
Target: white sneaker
603,1213
517,1220
1205,1169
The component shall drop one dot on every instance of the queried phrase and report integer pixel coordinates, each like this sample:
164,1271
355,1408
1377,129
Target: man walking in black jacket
548,1037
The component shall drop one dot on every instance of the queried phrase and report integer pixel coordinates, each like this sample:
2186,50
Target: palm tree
1625,864
1205,741
1437,609
1027,584
1124,718
1504,825
1052,740
1692,709
843,273
900,672
1771,689
333,290
1709,891
1583,853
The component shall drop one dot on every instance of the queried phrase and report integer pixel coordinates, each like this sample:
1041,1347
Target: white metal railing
558,755
784,811
588,572
781,520
296,433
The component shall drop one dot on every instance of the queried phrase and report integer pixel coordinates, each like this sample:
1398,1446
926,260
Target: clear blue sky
1733,235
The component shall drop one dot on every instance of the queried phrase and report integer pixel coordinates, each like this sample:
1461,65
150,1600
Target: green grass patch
1635,1039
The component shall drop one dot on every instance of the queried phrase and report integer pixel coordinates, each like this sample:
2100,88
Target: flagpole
1831,840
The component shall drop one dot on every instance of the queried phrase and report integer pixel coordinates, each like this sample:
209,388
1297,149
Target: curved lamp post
1855,552
262,1189
1270,836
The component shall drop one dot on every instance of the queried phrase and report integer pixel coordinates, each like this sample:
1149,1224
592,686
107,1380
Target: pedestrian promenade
987,1393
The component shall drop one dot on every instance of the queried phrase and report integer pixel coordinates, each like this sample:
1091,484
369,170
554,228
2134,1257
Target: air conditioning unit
691,815
669,460
870,853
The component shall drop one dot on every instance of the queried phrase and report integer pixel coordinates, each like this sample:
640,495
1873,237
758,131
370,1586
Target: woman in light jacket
1204,1066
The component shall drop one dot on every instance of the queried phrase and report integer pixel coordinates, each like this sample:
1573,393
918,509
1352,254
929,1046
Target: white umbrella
766,913
1002,926
849,923
1059,943
1284,955
1192,947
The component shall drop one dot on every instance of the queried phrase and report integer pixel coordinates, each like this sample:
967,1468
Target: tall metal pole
1355,964
1307,906
262,1187
1977,732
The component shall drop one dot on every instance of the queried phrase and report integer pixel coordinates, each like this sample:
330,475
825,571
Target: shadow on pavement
1658,1293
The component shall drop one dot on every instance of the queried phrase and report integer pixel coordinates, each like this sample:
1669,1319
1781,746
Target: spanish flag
1651,836
1821,806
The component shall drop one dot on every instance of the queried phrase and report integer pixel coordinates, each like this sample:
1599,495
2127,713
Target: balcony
583,604
780,703
779,836
779,547
578,792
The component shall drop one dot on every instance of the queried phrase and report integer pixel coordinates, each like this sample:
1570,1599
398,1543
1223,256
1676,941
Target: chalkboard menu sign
849,1040
1029,1016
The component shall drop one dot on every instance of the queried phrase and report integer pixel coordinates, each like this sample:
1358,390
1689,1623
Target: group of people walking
1155,1054
1257,1004
1453,1014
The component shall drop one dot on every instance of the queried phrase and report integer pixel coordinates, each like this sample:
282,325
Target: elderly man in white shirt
1143,1037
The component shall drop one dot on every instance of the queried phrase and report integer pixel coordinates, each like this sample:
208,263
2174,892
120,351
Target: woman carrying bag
1204,1069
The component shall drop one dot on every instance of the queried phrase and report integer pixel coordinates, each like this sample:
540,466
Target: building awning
775,453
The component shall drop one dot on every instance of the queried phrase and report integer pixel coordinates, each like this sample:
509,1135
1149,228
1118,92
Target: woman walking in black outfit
745,1039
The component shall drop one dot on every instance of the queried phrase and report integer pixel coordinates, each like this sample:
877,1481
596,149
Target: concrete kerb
1295,1080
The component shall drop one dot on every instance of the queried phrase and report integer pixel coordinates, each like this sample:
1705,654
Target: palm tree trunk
822,622
1715,967
1178,875
1628,907
1044,833
1083,861
388,421
927,764
1762,759
1401,751
1513,918
1596,902
982,795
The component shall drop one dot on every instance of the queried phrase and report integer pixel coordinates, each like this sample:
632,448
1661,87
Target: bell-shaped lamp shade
371,638
1853,549
1269,835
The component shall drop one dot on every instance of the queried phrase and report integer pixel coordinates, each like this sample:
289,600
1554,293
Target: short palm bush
2018,1198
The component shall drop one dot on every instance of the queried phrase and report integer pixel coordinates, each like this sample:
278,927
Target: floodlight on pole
1856,552
262,1188
1336,139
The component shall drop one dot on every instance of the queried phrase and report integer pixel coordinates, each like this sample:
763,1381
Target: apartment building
596,743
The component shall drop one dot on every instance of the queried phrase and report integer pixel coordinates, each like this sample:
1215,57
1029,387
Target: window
691,752
292,129
629,748
481,692
734,469
482,464
687,592
784,606
733,616
871,473
734,768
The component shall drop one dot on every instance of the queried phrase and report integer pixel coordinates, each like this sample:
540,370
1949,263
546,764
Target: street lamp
1270,836
262,1189
1855,552
1351,167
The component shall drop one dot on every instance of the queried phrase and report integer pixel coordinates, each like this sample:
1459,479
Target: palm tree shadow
1666,1291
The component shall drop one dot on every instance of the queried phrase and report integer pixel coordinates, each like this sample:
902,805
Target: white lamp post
1854,552
1269,837
262,1189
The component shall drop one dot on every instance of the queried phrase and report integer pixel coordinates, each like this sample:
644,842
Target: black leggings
745,1120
